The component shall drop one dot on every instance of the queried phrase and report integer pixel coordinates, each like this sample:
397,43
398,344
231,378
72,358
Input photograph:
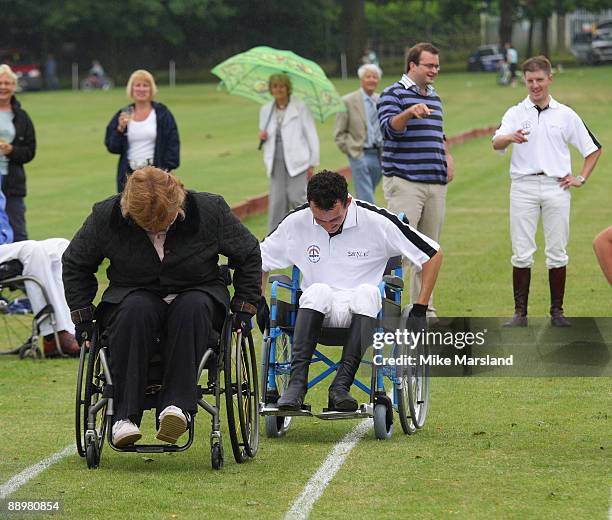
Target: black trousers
144,323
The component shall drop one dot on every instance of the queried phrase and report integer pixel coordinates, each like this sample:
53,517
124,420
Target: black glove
418,311
263,315
417,318
83,332
242,321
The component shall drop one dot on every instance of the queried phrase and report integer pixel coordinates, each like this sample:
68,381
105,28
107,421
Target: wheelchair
227,352
19,330
407,390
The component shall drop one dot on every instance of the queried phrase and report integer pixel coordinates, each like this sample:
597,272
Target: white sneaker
125,432
172,424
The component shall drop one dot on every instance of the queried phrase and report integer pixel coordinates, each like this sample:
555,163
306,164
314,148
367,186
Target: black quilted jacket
191,257
24,149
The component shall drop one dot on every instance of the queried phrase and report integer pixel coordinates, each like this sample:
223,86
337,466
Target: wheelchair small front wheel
30,349
216,456
383,429
92,455
277,425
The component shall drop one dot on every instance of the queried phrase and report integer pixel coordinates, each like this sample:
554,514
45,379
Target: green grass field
491,448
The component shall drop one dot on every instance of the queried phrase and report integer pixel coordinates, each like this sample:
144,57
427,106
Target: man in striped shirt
416,162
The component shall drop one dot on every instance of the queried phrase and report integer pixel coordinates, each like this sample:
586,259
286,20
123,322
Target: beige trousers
424,206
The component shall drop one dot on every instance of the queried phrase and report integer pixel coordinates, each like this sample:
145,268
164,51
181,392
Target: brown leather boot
556,280
521,278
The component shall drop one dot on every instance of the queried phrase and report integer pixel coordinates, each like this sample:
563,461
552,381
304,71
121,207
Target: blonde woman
290,150
144,133
17,147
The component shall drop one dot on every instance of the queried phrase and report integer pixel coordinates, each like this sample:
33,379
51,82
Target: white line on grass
12,485
318,482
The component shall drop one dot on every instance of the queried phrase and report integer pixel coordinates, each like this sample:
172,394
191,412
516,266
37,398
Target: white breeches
531,196
43,260
340,305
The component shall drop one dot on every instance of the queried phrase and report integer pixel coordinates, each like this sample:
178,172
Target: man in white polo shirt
540,128
341,245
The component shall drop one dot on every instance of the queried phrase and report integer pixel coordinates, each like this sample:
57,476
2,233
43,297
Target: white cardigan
300,140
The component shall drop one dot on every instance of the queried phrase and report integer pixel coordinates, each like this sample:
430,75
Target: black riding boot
305,336
521,278
556,280
358,340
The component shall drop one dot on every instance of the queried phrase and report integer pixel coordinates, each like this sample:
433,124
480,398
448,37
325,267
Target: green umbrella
246,74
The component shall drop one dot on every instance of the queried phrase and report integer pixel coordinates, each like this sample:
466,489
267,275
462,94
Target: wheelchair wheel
15,324
30,349
80,416
277,426
241,394
418,387
92,455
383,429
216,456
401,388
92,393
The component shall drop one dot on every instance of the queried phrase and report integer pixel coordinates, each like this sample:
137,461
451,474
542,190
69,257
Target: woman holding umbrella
290,148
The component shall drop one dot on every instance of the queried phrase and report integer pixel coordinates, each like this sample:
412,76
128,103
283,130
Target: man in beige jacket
357,132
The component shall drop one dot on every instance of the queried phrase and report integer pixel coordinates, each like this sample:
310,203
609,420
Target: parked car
594,47
485,58
601,46
581,47
26,68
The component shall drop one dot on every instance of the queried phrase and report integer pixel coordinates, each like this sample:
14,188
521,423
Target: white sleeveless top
141,137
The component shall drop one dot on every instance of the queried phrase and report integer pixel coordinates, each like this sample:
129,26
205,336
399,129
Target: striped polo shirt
417,153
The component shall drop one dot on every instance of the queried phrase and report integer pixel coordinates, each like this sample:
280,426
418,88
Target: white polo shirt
550,132
370,236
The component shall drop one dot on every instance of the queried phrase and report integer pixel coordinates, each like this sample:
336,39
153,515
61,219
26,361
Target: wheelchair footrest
365,410
271,409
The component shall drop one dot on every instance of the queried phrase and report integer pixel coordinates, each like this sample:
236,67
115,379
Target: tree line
198,33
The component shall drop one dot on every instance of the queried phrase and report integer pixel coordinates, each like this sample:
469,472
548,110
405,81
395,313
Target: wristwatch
580,179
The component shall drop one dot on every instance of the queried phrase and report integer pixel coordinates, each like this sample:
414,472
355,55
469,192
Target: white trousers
43,260
340,305
531,196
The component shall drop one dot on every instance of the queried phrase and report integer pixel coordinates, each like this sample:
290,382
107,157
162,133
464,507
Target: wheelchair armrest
395,283
282,278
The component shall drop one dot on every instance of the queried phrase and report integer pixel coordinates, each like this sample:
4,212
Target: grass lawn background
492,448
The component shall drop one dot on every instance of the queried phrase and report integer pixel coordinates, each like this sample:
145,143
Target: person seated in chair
341,245
163,243
41,259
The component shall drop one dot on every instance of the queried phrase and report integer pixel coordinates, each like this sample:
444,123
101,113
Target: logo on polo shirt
314,253
358,253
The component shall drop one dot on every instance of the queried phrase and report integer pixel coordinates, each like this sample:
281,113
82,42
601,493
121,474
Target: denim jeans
366,174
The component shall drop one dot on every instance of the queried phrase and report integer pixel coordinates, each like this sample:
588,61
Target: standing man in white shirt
341,246
540,128
357,132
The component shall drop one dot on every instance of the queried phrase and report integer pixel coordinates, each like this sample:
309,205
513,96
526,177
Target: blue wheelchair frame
275,332
381,405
